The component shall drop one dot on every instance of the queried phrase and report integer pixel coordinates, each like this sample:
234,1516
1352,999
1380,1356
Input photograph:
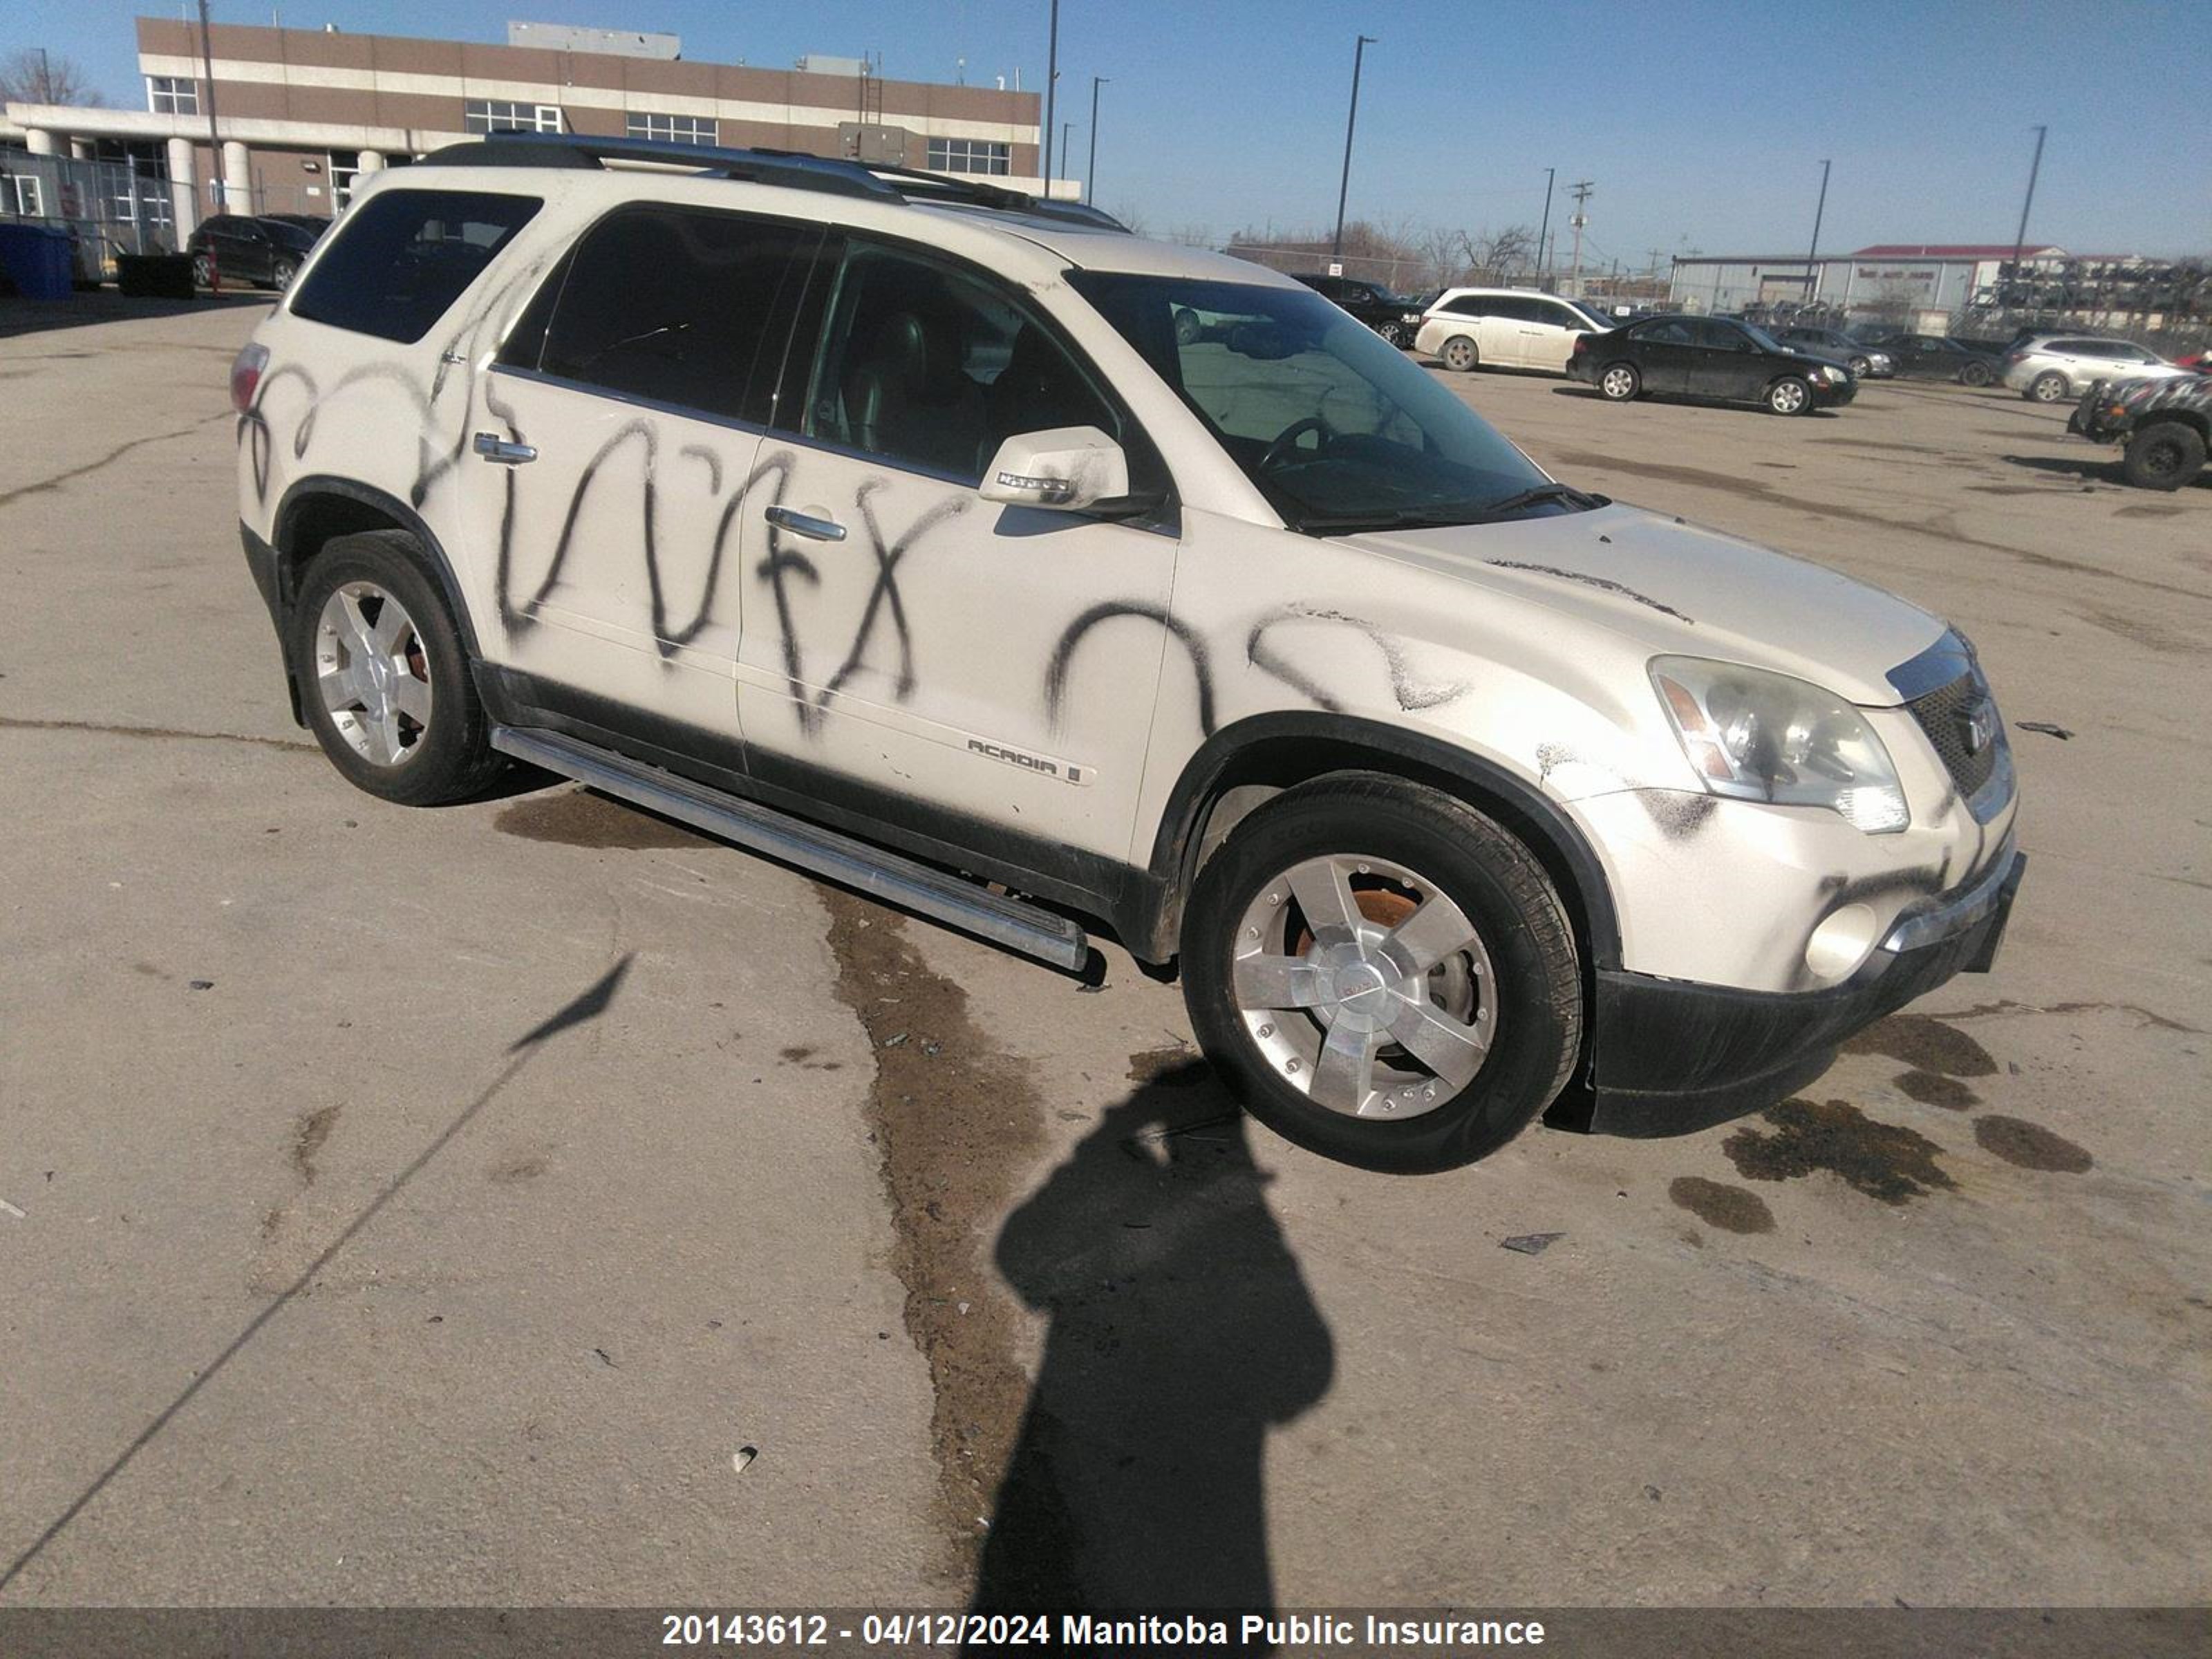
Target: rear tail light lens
245,375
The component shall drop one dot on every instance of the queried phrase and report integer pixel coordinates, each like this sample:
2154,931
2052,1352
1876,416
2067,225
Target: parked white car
1468,328
973,552
2053,368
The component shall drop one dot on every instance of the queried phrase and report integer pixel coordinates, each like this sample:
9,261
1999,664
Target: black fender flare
296,499
1560,842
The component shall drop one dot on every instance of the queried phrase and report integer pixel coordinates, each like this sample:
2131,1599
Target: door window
671,306
1671,332
933,367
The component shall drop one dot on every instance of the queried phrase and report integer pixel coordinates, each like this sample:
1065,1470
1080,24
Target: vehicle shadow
2099,467
1592,394
1181,1331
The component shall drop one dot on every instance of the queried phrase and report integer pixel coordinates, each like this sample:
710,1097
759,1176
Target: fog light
1841,943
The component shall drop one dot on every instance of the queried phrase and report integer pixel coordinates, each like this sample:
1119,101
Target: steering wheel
1286,440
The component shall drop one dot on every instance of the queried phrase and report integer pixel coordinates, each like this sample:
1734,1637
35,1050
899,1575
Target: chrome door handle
493,448
809,525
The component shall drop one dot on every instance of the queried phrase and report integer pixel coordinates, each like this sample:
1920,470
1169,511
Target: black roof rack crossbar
790,169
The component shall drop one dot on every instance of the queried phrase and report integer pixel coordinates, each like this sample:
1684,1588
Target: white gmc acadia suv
908,529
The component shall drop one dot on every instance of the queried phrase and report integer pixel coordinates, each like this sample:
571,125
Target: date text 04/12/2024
1192,1631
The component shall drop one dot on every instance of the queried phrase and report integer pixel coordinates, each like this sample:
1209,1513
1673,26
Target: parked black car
1709,357
1865,362
1371,302
1938,357
2166,424
242,248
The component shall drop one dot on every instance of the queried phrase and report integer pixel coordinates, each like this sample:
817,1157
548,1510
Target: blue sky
1702,123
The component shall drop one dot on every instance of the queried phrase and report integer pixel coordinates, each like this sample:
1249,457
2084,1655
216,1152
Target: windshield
1339,429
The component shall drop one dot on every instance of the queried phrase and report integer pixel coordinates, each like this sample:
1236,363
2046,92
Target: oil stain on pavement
1731,1209
578,817
2030,1146
1884,1161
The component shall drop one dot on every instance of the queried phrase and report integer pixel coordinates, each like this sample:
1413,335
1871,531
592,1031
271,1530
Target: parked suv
1469,328
888,524
1371,302
241,249
1714,358
2052,367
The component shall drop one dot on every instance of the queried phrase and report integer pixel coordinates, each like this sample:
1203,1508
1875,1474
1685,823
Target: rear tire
1393,334
1976,374
281,275
1860,369
1305,957
2048,388
1620,382
384,677
2164,455
1459,355
1187,327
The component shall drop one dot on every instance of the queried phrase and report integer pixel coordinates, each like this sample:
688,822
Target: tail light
1581,344
245,375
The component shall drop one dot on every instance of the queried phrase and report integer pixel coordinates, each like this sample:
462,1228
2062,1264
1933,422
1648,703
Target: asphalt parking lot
532,1201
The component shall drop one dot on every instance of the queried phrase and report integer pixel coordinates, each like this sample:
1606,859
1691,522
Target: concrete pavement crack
10,723
47,485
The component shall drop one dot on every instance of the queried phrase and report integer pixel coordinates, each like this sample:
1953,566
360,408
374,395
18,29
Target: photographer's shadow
1181,1331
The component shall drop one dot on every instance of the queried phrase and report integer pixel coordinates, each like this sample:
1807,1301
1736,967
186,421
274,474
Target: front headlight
1758,736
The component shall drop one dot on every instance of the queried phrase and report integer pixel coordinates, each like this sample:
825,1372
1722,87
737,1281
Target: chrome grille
1942,714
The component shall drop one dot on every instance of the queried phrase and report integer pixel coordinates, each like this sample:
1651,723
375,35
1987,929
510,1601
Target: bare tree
1130,214
1192,235
32,76
1500,254
1443,255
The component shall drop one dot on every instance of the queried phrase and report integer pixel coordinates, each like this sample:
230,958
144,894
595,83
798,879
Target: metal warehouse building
1947,276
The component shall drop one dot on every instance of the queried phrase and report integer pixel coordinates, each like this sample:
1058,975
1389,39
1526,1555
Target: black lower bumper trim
1674,1056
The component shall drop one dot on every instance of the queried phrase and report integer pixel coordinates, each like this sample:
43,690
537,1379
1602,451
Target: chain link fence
108,207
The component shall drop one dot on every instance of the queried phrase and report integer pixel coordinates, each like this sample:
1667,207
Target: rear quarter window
400,259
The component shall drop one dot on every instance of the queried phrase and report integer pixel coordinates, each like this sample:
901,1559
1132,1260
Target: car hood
1679,587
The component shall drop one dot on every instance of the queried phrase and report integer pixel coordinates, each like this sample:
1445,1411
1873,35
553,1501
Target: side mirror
1067,469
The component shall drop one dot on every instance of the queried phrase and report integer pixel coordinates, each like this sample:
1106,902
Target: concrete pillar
184,187
237,179
79,150
372,161
38,140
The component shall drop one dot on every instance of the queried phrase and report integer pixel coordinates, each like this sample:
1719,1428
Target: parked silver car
2052,367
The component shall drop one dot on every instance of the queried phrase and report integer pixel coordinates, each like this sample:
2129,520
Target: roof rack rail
562,149
789,168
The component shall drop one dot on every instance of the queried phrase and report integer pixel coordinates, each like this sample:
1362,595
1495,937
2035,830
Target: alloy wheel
373,674
1365,986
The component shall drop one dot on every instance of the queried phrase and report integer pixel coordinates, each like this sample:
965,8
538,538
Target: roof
1954,250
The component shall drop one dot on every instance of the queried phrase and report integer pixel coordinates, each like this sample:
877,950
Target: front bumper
1672,1056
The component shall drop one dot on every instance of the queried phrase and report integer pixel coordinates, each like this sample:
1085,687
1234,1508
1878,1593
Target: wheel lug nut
1274,898
1290,1066
1266,1030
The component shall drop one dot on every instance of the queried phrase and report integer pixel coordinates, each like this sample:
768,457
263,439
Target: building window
169,94
22,194
970,155
495,115
345,168
672,129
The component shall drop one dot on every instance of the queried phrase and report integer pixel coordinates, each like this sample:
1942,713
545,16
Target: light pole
214,143
1064,127
1091,172
1359,55
1550,174
1813,256
1051,85
2020,239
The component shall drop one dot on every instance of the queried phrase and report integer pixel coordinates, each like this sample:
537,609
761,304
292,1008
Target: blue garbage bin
38,260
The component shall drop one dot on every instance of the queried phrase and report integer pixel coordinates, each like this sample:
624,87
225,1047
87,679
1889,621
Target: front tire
1459,355
1620,382
384,677
2164,455
2048,388
1393,334
1975,374
1383,975
281,275
1790,396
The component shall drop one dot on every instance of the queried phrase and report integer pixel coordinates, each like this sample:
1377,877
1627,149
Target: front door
1727,365
906,637
619,440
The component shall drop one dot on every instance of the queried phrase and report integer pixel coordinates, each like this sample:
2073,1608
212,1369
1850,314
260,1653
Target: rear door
625,419
903,637
1547,337
1665,353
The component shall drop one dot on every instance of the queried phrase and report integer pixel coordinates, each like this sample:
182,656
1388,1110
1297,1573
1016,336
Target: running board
843,859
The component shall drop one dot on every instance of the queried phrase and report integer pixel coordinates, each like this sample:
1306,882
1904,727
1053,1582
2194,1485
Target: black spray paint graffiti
1605,584
1063,655
1413,696
783,562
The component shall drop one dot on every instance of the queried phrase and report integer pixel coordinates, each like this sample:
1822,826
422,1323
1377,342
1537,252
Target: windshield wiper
1406,518
1542,492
